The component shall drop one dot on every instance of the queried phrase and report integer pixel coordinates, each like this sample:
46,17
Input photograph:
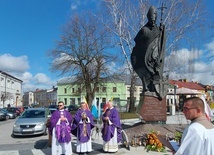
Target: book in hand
175,145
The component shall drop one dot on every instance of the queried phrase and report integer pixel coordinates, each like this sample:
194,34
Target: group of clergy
62,125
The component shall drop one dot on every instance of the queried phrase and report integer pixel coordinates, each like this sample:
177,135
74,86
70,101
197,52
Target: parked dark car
26,107
73,107
14,110
9,114
3,116
52,110
53,106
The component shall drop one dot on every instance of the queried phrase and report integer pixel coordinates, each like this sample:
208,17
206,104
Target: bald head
196,102
110,104
83,105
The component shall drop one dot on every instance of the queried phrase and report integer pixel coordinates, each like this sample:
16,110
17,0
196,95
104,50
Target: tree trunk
132,90
89,99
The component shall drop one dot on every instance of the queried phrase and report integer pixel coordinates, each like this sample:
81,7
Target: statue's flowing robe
147,56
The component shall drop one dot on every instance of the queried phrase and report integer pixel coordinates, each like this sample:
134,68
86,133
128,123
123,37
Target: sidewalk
179,118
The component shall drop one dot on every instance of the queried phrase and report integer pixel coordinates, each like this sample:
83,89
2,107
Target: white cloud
73,7
26,77
77,4
210,50
9,63
29,87
191,65
41,78
19,68
210,46
201,67
39,81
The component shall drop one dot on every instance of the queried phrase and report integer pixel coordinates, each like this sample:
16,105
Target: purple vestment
81,128
63,128
108,130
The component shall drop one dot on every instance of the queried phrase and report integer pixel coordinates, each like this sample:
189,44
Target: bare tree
83,52
122,24
183,20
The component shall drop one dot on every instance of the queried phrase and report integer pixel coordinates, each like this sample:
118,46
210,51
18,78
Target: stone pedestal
152,110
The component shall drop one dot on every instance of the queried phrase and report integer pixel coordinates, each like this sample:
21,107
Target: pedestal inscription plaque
152,109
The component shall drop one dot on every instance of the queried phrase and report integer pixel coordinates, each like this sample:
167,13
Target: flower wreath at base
153,143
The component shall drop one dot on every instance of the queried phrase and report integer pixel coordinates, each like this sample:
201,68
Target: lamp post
175,94
173,105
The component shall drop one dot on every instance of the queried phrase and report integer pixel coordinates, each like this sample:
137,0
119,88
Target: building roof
66,80
6,74
126,78
185,84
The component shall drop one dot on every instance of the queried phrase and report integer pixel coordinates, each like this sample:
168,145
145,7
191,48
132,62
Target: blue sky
29,28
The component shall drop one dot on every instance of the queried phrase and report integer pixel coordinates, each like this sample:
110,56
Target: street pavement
96,143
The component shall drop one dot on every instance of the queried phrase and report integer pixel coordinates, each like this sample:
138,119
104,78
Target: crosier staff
162,39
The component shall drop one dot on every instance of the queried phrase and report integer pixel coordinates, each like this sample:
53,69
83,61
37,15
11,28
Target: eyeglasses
187,109
60,105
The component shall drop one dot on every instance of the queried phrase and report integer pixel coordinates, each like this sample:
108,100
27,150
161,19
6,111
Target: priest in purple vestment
60,129
81,128
111,131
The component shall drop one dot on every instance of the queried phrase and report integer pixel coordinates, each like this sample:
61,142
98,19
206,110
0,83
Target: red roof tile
190,85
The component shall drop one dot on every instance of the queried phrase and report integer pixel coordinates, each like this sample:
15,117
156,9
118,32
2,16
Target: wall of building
10,90
71,94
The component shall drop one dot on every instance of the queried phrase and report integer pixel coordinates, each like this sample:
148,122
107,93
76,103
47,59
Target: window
128,89
104,89
2,82
103,100
73,90
65,101
43,96
65,90
12,84
8,83
79,90
114,89
116,101
79,100
97,89
72,100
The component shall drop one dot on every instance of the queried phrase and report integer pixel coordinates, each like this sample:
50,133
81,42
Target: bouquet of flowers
153,143
178,136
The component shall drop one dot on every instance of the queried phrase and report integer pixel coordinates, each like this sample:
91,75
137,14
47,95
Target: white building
28,98
10,90
52,96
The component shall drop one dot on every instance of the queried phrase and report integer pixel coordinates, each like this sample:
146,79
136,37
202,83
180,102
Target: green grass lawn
127,115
